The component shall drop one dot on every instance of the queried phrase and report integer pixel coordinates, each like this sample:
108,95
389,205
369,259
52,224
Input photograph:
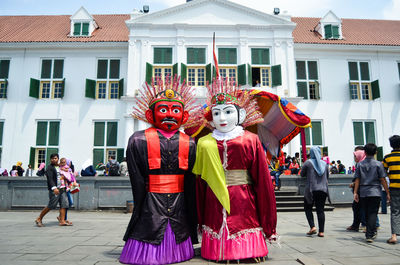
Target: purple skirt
138,252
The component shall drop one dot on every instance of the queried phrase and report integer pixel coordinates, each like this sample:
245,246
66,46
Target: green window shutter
335,32
90,88
32,157
174,71
316,133
301,69
63,88
54,133
102,66
162,55
85,29
184,72
46,69
358,133
379,153
191,57
4,68
312,70
114,69
112,133
208,73
375,89
369,132
121,88
242,74
5,87
353,71
1,132
328,31
120,154
58,69
201,55
77,29
196,55
398,68
259,56
149,73
49,152
249,75
99,128
364,69
98,156
276,75
308,136
214,72
317,94
302,90
41,133
34,88
227,56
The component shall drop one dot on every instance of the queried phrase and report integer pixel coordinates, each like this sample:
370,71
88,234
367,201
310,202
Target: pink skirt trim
248,245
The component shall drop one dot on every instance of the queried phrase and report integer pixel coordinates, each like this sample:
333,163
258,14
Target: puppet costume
235,197
163,223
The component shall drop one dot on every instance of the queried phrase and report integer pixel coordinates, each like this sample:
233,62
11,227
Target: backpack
113,170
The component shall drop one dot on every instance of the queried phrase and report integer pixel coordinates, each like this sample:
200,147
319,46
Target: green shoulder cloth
208,165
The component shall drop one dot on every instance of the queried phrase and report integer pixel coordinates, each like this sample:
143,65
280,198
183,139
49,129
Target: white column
132,74
290,70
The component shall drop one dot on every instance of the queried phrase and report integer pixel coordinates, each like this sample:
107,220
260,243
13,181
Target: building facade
68,83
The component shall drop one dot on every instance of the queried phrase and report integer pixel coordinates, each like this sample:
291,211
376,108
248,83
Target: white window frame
364,132
310,82
108,81
360,85
107,150
45,147
322,135
51,81
197,75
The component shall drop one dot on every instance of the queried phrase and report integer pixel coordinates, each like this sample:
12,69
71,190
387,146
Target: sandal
39,223
312,231
350,228
320,234
68,222
65,224
391,241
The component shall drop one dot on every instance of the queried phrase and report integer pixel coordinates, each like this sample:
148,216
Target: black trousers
371,208
356,214
319,198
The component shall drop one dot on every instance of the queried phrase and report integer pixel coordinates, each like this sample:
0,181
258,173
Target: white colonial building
68,83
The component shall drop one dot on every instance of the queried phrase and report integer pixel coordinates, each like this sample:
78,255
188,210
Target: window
261,70
4,69
1,138
331,32
107,84
47,141
364,132
227,57
307,79
360,84
51,79
105,142
314,134
81,29
162,60
195,69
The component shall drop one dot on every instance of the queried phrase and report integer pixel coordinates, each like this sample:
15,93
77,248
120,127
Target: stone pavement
96,238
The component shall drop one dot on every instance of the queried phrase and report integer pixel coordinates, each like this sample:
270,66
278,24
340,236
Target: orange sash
166,183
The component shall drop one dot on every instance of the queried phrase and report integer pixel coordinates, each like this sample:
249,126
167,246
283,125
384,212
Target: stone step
289,203
301,209
285,193
290,198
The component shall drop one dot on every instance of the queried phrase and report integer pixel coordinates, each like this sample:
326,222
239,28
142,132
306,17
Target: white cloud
392,10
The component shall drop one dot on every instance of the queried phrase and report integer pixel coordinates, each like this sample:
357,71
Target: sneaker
375,235
370,240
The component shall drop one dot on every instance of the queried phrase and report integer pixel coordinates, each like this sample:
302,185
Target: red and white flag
215,58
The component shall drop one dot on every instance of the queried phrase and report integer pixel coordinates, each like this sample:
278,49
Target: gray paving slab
96,238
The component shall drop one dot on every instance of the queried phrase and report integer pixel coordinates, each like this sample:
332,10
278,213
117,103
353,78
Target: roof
112,28
354,31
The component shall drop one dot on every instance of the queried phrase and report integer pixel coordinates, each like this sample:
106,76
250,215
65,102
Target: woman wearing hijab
316,191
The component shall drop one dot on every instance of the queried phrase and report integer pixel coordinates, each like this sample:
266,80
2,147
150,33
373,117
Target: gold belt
237,177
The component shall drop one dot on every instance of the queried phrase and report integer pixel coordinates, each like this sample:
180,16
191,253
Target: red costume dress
241,233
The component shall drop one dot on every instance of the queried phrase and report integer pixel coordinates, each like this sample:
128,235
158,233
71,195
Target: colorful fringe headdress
163,91
222,91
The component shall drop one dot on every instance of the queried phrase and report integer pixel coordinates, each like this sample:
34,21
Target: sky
361,9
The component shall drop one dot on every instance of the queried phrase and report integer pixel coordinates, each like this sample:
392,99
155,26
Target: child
14,171
68,181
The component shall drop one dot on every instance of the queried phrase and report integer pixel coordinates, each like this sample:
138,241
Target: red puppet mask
167,115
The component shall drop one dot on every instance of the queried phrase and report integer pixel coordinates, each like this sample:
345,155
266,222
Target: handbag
75,189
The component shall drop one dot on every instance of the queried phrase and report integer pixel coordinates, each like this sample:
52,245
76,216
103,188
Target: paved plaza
96,238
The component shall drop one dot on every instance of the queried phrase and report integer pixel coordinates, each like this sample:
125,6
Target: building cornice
336,47
82,45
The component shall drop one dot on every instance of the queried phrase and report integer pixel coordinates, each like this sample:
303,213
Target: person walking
391,163
369,176
316,191
57,195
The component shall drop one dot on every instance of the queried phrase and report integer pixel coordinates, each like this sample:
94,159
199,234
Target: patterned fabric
391,162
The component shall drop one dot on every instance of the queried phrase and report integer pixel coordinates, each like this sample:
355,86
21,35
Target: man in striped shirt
391,162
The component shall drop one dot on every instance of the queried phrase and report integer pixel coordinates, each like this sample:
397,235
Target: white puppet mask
226,117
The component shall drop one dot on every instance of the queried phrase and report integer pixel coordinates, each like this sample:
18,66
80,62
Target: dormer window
331,31
82,24
81,29
330,27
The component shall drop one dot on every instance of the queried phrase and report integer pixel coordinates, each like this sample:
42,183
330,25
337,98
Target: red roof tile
112,28
354,31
